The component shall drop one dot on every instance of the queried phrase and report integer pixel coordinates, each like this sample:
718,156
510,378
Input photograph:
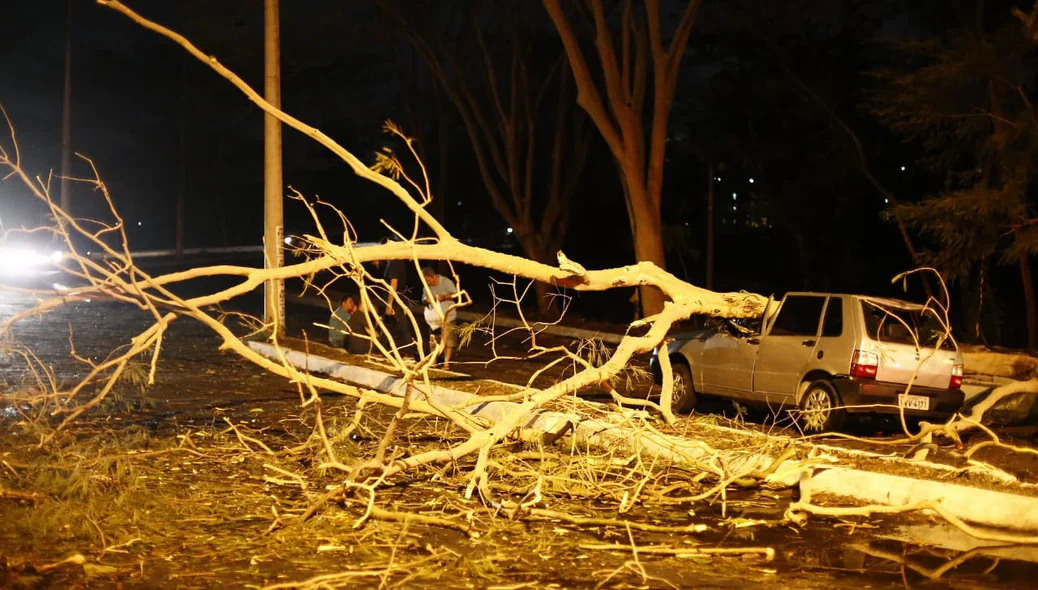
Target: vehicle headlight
15,261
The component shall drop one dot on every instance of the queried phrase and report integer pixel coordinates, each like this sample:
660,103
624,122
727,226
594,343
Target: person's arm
450,290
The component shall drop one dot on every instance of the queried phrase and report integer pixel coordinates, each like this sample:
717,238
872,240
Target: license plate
913,402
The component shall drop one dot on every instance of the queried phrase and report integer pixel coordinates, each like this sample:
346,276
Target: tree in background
964,97
530,151
616,104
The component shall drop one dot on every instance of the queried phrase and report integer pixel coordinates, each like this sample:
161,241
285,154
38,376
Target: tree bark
648,247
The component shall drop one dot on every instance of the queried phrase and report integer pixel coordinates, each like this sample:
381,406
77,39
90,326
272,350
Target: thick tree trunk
648,247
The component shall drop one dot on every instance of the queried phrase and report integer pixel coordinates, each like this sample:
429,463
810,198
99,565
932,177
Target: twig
409,517
767,552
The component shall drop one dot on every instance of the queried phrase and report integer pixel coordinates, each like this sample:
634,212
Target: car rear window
889,324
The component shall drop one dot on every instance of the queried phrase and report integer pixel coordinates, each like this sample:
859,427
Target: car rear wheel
684,397
820,408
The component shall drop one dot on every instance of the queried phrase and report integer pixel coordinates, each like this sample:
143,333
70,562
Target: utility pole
66,116
273,213
710,229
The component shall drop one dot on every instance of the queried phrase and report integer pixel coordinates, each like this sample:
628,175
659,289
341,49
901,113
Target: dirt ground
199,481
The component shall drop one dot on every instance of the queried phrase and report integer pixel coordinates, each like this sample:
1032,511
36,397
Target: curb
979,506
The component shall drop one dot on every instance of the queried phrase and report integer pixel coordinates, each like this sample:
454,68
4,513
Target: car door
788,347
728,364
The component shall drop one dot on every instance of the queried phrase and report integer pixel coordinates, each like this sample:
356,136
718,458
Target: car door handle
753,341
808,342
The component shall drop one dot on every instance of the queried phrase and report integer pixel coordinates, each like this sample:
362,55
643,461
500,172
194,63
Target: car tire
820,408
683,400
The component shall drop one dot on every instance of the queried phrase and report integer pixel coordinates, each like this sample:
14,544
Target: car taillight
864,364
956,377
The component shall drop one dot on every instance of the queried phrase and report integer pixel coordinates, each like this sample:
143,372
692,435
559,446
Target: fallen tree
470,449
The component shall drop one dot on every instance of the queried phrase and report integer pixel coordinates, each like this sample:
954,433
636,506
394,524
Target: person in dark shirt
395,274
362,332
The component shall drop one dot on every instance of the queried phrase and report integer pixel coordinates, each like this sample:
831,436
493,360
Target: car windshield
895,325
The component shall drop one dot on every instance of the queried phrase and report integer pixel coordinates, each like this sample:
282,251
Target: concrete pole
66,116
273,214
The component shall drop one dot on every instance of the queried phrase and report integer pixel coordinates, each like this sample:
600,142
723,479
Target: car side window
832,326
799,316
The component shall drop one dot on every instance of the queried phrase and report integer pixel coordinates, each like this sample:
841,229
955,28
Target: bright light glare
902,168
26,261
288,240
510,231
751,181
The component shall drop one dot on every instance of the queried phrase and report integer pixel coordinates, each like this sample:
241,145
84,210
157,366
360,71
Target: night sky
345,71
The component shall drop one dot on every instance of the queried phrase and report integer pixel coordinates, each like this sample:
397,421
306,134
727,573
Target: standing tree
639,150
963,96
531,177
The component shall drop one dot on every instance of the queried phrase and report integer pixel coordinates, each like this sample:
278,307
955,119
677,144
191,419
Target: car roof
888,302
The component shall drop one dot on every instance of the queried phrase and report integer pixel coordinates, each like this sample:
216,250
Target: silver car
826,355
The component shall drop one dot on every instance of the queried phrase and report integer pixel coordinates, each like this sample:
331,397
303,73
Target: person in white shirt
439,312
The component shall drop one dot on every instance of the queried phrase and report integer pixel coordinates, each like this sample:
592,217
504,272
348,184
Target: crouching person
338,324
439,312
